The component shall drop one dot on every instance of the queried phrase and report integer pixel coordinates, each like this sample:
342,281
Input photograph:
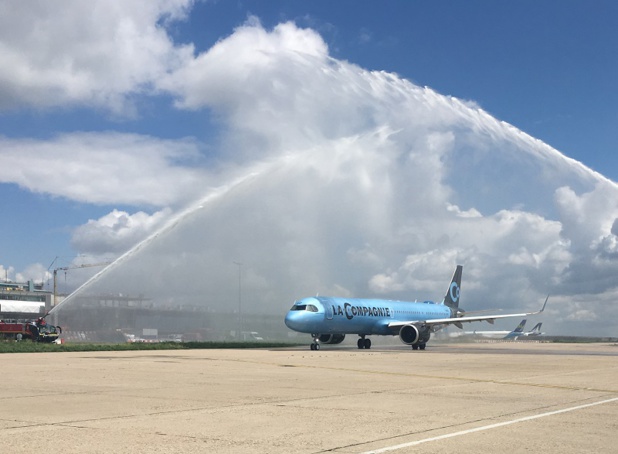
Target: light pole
239,300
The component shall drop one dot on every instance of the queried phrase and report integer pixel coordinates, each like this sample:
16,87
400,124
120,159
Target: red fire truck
38,331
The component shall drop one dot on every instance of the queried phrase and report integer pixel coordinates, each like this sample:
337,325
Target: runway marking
488,427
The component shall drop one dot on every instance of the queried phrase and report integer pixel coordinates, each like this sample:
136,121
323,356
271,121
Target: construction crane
65,268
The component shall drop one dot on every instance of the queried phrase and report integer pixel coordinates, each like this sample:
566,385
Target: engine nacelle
332,338
414,334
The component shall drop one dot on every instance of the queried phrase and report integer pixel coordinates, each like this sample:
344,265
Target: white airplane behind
534,332
329,319
517,332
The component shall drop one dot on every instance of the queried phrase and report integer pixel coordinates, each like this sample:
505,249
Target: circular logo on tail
454,291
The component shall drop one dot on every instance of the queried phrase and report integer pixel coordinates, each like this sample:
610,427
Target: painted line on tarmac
489,427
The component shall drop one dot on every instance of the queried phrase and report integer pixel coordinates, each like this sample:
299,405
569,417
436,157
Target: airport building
23,301
119,318
113,318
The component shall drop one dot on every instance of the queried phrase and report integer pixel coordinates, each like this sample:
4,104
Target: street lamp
239,300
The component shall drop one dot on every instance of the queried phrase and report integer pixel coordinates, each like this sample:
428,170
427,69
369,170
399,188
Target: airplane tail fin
520,327
537,328
452,294
517,331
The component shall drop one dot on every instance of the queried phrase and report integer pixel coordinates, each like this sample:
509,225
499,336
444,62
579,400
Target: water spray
168,226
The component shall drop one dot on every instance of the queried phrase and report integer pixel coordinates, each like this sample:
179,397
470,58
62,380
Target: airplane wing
457,321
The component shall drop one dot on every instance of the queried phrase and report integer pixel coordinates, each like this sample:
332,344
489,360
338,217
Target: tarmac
512,397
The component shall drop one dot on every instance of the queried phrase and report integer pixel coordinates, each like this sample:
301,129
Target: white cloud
115,232
258,92
35,272
589,216
588,223
94,53
582,315
105,168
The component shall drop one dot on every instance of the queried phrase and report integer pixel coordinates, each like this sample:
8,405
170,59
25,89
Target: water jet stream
168,226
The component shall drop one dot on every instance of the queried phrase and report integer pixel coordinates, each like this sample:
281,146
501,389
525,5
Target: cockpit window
304,307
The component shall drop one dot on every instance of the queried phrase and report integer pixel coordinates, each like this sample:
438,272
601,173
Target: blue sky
108,123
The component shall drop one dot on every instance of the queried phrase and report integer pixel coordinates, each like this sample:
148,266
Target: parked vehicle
37,331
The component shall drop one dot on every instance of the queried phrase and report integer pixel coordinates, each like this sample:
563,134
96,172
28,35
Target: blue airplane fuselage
329,315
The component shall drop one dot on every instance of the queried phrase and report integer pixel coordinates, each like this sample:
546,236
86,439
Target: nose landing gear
315,345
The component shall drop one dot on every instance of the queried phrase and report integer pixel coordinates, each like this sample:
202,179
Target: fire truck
38,331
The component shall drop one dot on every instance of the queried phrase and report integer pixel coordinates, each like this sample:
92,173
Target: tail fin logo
454,291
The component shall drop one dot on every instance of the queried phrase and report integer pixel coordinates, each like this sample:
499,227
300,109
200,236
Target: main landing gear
363,343
418,346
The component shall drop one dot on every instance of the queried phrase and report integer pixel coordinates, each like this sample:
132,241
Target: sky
359,148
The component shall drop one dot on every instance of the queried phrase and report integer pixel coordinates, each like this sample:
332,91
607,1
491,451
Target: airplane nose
292,320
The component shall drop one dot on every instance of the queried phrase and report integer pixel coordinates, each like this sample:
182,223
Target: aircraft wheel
360,343
421,346
317,346
415,347
367,343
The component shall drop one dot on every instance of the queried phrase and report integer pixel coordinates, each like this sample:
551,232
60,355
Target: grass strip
35,347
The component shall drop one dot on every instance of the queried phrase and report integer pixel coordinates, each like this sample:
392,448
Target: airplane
328,319
534,332
515,334
518,331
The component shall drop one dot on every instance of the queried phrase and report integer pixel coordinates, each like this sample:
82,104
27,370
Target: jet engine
331,338
414,334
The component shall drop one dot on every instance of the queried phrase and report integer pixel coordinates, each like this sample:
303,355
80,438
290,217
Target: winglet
544,304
